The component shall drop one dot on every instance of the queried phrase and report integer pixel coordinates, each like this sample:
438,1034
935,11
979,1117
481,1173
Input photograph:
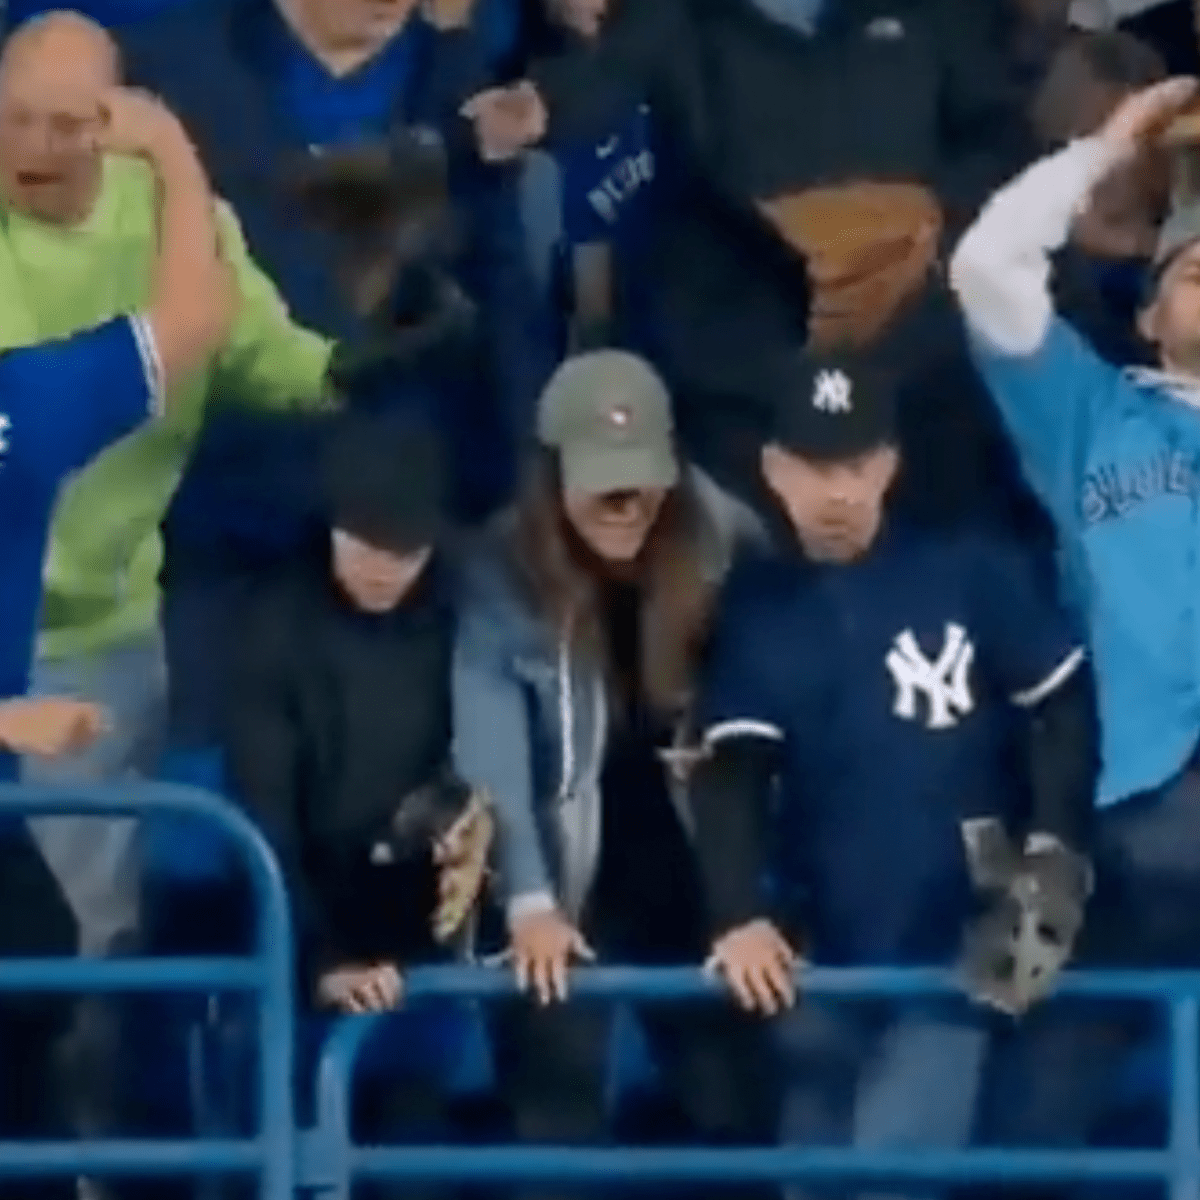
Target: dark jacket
885,89
215,65
337,716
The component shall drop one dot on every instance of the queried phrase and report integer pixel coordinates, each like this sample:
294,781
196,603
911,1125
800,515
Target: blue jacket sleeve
515,322
62,402
492,750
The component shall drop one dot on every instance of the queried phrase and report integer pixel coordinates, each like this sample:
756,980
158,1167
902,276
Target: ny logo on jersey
943,681
831,392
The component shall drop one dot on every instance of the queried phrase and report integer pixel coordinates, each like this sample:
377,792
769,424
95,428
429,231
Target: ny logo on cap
831,392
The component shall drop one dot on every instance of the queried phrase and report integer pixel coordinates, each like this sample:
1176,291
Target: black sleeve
730,801
642,48
985,134
266,748
1064,760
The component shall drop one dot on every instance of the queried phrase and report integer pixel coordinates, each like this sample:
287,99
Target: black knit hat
829,408
385,481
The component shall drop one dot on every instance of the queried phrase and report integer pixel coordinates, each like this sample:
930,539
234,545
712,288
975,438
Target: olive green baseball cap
608,414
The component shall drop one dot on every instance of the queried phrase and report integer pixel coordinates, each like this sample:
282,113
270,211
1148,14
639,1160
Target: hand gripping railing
330,1160
271,1153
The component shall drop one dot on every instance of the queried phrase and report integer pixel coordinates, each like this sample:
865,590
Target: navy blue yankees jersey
61,403
890,684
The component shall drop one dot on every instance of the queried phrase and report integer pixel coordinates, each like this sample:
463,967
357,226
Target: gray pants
865,1076
1055,1075
96,860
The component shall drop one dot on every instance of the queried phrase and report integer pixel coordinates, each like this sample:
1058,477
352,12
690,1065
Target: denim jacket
531,720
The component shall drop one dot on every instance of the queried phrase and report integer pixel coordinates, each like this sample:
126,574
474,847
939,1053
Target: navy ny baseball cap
830,407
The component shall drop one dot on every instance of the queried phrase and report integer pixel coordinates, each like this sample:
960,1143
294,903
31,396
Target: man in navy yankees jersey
914,695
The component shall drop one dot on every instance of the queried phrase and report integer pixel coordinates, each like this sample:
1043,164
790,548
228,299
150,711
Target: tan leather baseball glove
462,854
870,248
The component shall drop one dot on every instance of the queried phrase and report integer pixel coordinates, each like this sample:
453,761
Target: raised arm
192,299
1001,269
1052,389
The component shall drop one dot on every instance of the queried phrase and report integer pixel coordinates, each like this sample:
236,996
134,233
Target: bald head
55,71
61,52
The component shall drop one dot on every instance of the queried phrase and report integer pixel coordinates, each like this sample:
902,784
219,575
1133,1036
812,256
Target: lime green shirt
104,551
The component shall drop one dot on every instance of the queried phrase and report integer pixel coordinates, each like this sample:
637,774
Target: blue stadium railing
325,1160
267,974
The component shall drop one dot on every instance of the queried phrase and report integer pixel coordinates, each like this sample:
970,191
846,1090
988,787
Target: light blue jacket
531,719
1114,456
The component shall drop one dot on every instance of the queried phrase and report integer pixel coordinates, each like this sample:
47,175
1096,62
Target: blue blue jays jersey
61,403
608,197
605,183
891,685
1115,457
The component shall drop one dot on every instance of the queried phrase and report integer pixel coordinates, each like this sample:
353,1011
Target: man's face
363,25
49,164
374,579
615,525
835,507
1172,321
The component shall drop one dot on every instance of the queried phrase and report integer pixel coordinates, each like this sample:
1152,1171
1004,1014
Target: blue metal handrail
327,1160
331,1160
268,974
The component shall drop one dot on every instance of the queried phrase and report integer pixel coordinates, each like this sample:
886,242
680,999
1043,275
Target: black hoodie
336,716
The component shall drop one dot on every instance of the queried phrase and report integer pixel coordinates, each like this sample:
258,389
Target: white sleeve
1001,268
147,344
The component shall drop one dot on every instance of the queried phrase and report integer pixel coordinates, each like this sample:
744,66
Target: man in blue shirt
266,86
1114,457
883,678
591,203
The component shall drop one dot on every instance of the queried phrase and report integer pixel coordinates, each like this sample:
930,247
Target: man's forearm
1064,761
730,797
189,282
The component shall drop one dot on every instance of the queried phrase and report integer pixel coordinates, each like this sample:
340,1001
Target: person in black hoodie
339,744
340,727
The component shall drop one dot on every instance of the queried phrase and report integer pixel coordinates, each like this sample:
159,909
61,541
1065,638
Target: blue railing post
1185,1098
270,1154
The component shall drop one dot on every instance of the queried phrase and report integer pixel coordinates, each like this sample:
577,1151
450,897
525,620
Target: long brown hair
677,592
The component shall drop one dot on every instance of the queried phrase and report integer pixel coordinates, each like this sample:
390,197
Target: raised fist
507,120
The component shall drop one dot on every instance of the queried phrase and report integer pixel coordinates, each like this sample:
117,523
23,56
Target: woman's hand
356,989
543,945
758,966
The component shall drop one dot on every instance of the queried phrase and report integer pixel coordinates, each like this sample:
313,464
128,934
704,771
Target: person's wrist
169,149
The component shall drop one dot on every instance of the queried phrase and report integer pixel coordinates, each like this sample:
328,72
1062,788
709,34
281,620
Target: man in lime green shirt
78,242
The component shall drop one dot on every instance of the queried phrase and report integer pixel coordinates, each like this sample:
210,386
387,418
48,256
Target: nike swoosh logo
609,148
